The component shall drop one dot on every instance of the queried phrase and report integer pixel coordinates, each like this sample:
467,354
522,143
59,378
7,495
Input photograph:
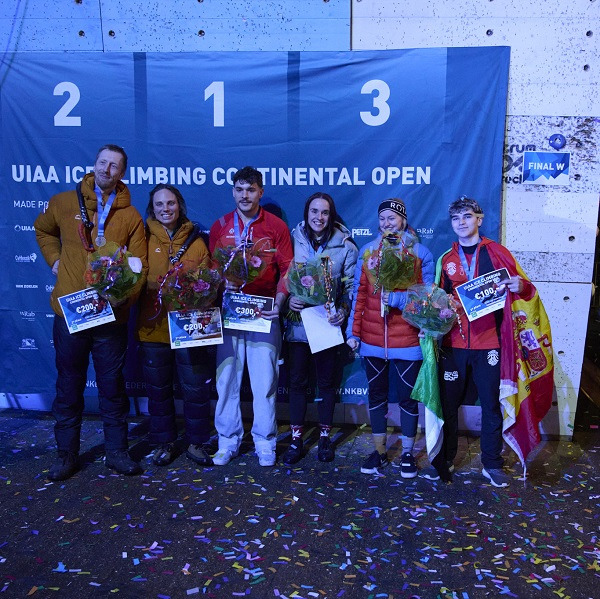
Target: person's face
108,170
247,197
166,208
318,215
466,224
391,222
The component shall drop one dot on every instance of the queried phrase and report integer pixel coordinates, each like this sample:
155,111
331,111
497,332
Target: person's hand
55,267
338,318
422,334
353,343
232,287
514,284
296,304
385,298
270,314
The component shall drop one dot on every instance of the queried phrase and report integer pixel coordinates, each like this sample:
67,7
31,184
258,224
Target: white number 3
62,118
379,102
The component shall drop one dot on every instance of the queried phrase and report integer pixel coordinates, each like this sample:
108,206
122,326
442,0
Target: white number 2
62,118
379,102
217,90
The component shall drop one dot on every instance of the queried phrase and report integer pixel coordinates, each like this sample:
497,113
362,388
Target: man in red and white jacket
249,221
471,351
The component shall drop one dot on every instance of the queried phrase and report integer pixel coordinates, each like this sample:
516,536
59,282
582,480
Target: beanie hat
395,205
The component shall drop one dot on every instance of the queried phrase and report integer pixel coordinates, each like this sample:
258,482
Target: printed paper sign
190,328
546,168
85,309
242,312
480,296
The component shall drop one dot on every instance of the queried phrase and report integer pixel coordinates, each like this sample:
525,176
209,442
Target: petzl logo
361,233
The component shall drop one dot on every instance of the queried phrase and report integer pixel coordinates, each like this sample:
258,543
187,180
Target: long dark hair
180,201
328,232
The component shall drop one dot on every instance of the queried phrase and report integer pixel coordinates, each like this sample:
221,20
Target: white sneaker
223,457
266,456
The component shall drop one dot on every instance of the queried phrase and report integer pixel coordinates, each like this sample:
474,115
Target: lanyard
242,237
102,216
469,270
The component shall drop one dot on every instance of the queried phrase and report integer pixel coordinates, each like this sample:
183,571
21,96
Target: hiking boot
198,454
374,462
65,467
164,454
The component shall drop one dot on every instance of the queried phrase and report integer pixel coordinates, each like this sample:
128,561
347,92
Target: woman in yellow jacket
172,238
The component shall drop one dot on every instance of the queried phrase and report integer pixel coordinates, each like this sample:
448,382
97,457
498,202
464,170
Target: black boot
325,453
65,467
293,453
120,461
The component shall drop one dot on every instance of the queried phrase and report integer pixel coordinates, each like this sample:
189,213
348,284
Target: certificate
480,296
242,312
190,328
85,309
321,334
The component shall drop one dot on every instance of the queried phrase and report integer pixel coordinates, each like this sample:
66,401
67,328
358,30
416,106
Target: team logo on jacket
157,250
451,268
493,357
450,375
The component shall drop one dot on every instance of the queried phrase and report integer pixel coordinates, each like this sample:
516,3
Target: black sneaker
164,454
375,461
293,453
431,473
120,461
325,453
408,466
199,454
65,467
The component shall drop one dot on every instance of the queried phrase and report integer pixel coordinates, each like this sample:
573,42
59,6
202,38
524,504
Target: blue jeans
107,344
195,376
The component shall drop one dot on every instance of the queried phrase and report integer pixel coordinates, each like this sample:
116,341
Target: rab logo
493,357
451,268
450,376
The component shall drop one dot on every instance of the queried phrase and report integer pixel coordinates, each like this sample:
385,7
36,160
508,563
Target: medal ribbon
102,216
469,270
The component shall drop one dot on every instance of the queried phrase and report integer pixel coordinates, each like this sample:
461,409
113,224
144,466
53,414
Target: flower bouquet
311,281
244,263
393,264
188,286
113,272
431,309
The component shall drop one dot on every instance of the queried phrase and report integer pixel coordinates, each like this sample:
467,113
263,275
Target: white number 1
217,90
379,102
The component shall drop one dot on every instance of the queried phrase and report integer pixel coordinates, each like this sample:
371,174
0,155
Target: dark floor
319,531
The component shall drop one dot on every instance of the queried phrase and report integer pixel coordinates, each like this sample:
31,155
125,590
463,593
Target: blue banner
425,125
